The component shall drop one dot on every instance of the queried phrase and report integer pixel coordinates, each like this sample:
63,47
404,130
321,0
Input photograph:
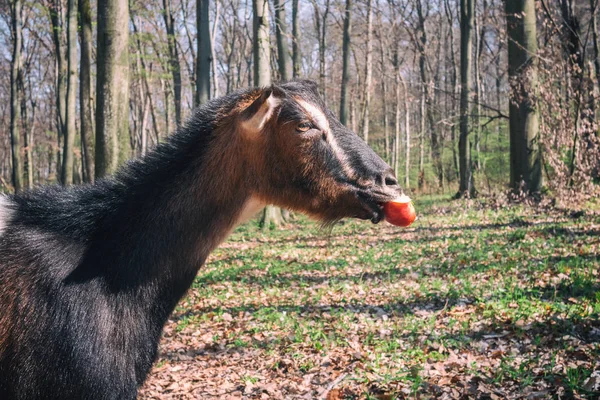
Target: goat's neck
189,212
206,206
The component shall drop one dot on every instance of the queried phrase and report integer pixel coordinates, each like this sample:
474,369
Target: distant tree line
458,96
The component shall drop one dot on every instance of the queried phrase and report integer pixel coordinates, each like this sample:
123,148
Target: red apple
400,211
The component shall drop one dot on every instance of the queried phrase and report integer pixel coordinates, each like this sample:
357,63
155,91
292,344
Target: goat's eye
304,126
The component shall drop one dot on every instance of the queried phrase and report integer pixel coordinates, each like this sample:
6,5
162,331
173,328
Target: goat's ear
257,114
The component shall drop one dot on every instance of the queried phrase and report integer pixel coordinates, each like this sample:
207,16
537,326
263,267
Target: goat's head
301,157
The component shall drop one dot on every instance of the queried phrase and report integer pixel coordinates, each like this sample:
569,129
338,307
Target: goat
90,274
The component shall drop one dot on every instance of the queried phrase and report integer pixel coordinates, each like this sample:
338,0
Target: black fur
92,272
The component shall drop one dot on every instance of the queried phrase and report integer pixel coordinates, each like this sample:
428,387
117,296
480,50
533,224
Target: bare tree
321,17
15,115
296,39
421,42
283,53
571,39
204,52
174,65
525,153
455,93
261,43
57,21
346,63
414,75
26,126
232,40
213,36
71,129
479,37
596,46
112,86
262,78
401,83
191,60
85,91
368,73
467,185
144,94
384,88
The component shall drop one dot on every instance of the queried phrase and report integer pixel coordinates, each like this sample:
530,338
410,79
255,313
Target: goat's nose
387,179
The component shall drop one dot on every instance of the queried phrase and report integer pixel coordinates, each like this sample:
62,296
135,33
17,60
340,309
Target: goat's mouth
356,201
372,202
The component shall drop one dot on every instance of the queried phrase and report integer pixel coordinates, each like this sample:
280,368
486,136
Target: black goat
89,274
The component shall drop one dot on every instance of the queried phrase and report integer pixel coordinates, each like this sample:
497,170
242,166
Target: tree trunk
213,57
406,138
261,43
368,73
27,130
596,45
397,80
344,109
58,37
71,129
262,78
574,53
15,115
145,91
572,41
466,186
272,218
191,67
231,50
498,92
386,133
477,61
406,130
283,53
423,127
525,154
85,90
428,97
454,83
204,52
174,65
321,28
144,127
167,93
296,56
112,87
248,56
353,118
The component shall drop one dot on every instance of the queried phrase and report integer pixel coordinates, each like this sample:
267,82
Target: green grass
506,298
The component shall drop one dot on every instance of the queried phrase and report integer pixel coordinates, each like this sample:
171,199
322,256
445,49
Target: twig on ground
333,384
443,310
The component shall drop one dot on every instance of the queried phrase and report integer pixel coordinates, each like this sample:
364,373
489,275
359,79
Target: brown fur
271,160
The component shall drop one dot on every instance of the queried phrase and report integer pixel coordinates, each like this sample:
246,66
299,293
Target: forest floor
475,300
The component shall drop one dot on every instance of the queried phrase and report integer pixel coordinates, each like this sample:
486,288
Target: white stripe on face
5,213
317,116
322,123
